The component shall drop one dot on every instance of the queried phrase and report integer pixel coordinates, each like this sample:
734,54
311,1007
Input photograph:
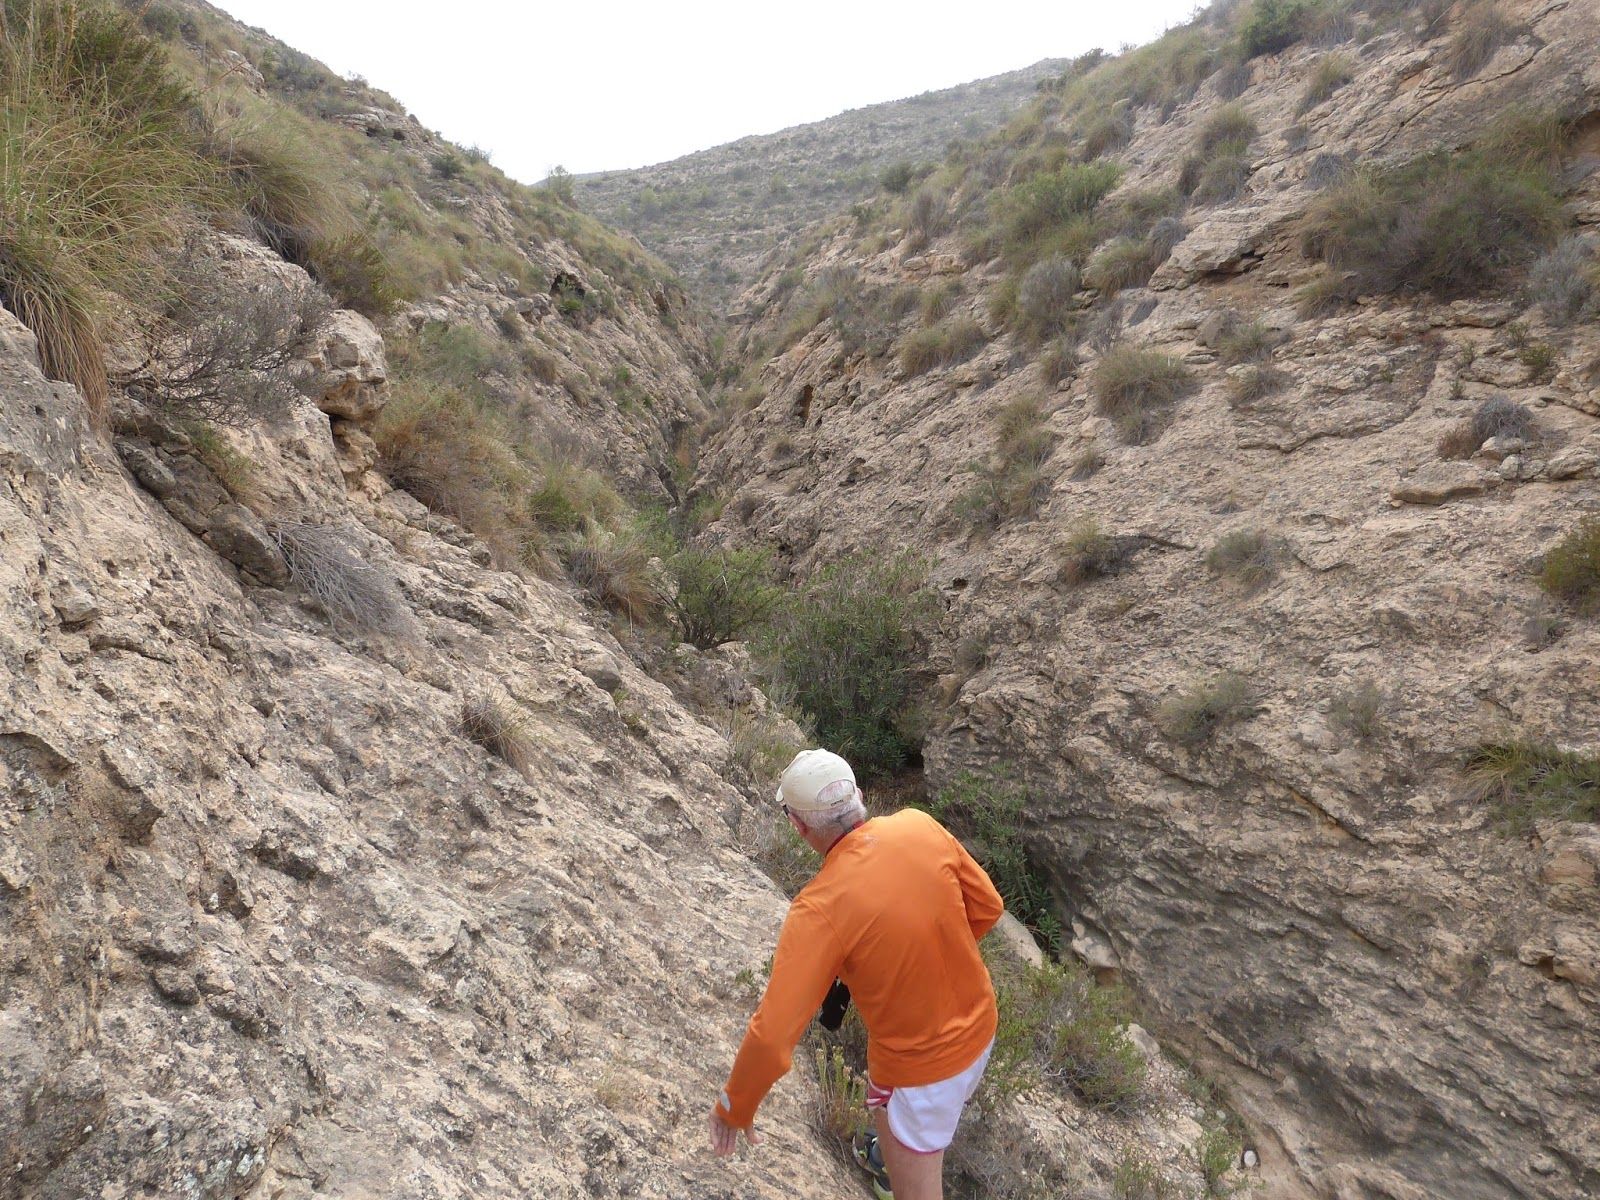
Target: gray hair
842,809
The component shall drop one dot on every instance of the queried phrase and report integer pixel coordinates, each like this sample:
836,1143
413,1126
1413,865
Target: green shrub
989,814
1049,201
1195,714
1215,1156
1248,556
845,646
1571,572
1449,223
949,342
1330,74
1272,25
569,496
898,177
1058,1025
1527,781
1111,130
1134,387
1044,297
721,594
1089,553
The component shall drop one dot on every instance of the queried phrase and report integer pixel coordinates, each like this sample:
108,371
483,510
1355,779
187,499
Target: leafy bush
721,593
1449,223
845,646
1058,1026
949,342
989,813
496,723
1089,553
1359,711
613,567
221,352
1272,25
1195,714
1529,781
1497,416
1248,556
356,593
1571,572
1134,386
1044,297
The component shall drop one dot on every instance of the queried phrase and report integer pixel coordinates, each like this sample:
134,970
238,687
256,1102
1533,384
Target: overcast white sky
599,84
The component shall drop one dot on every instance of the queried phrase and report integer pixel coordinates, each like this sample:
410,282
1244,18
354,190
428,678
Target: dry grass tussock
357,594
494,721
1195,714
1135,387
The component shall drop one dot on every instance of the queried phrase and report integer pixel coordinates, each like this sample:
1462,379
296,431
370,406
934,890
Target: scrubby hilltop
718,214
1243,394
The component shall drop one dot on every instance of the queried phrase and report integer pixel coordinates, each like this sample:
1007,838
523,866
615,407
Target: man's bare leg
913,1176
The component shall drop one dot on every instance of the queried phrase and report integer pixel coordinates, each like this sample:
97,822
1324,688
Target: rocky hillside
717,214
1242,396
346,849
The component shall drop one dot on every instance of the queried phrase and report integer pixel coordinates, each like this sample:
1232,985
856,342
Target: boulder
235,533
1439,483
351,369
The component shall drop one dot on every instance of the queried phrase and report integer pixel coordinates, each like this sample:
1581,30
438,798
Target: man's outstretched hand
725,1137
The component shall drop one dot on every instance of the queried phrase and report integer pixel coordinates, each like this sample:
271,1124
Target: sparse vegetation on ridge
1134,386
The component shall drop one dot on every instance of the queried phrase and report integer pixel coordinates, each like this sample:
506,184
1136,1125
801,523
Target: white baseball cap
816,781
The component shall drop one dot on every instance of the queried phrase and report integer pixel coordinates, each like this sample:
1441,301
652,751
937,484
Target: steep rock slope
275,927
1402,997
716,214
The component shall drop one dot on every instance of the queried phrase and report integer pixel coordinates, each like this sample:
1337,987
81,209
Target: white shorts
923,1119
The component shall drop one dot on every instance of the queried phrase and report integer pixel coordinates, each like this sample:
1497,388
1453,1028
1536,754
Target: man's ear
800,826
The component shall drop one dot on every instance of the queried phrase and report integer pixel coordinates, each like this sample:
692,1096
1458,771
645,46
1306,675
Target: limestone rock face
271,925
1398,994
351,369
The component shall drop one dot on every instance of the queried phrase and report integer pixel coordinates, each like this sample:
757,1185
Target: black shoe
870,1155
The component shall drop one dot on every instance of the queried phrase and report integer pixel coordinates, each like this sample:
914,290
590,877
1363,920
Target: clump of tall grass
99,175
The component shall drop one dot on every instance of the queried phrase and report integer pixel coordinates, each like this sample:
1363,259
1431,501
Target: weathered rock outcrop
1403,999
270,925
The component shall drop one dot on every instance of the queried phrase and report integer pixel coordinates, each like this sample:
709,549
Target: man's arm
803,968
984,904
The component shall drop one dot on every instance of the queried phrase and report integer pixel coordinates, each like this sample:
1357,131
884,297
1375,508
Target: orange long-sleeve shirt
896,912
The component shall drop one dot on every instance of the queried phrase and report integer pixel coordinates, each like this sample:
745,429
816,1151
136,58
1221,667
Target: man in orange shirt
895,913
